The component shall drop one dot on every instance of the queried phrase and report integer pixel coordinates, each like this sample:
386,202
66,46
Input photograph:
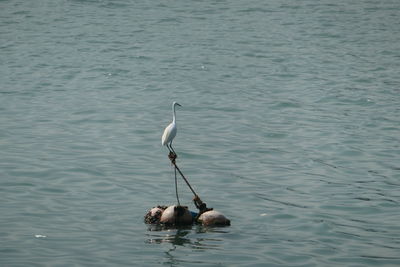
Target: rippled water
289,126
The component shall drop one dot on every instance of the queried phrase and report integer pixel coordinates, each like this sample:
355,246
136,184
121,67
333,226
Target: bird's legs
169,149
170,145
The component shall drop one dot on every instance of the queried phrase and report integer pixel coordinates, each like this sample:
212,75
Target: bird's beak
179,104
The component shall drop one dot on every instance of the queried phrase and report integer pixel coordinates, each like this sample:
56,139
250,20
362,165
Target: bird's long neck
173,114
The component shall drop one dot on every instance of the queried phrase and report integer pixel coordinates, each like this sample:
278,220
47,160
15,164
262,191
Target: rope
172,156
200,205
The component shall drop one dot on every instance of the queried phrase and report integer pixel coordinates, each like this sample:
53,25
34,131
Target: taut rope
197,201
172,156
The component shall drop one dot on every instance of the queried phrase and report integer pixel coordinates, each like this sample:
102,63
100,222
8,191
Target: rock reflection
192,237
176,237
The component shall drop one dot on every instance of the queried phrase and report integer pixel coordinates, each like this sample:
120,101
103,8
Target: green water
289,126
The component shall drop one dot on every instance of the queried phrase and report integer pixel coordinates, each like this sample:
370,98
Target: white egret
166,140
170,131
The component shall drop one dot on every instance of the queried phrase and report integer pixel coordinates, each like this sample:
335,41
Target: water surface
289,126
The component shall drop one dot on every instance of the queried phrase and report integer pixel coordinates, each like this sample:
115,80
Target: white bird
170,131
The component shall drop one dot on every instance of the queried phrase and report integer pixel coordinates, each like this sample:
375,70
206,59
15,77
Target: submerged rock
180,215
153,216
176,215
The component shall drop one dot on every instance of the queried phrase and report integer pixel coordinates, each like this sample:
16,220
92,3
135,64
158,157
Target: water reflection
193,236
212,229
175,236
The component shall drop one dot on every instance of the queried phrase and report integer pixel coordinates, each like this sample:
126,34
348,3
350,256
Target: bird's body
169,134
170,131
